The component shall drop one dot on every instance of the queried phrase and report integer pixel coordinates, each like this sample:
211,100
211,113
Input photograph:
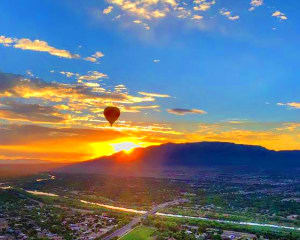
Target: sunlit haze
125,146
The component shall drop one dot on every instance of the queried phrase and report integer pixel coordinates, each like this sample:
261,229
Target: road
122,231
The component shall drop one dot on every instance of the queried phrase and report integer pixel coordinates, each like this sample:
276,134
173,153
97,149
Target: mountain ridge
193,155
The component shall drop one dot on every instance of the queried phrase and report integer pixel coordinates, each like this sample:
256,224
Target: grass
139,233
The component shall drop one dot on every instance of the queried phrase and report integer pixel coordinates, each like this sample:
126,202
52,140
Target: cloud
90,59
92,75
295,105
94,57
255,3
17,86
36,45
68,74
42,46
137,21
29,73
139,108
197,17
146,26
203,5
79,103
156,60
228,14
155,95
279,15
108,10
144,9
11,110
183,111
6,41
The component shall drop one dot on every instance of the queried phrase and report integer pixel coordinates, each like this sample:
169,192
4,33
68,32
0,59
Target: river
129,210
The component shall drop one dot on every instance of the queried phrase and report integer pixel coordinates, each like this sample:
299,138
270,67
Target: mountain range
201,155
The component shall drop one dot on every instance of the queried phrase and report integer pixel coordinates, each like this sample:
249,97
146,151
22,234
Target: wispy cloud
6,41
183,111
43,46
229,15
255,3
12,110
155,95
203,5
36,45
69,74
108,10
290,104
145,25
279,15
97,55
92,75
197,17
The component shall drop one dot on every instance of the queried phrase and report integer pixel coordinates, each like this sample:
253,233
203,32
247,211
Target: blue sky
210,62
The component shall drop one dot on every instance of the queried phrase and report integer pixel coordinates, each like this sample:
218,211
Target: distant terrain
17,170
191,156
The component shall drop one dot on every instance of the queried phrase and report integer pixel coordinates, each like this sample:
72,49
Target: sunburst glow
125,146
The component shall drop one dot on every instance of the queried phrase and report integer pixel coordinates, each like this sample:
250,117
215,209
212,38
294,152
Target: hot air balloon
111,114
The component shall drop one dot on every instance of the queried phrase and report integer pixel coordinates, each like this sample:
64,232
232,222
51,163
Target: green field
139,233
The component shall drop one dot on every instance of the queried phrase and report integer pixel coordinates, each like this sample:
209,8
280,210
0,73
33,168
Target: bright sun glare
124,146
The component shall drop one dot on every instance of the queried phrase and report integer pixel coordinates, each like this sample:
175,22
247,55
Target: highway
127,228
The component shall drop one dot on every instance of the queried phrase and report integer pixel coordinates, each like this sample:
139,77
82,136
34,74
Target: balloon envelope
112,114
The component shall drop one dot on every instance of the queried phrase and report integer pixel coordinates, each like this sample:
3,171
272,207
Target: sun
125,146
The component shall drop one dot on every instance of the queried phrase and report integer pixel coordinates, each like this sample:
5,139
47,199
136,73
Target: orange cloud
36,45
108,10
94,57
6,41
